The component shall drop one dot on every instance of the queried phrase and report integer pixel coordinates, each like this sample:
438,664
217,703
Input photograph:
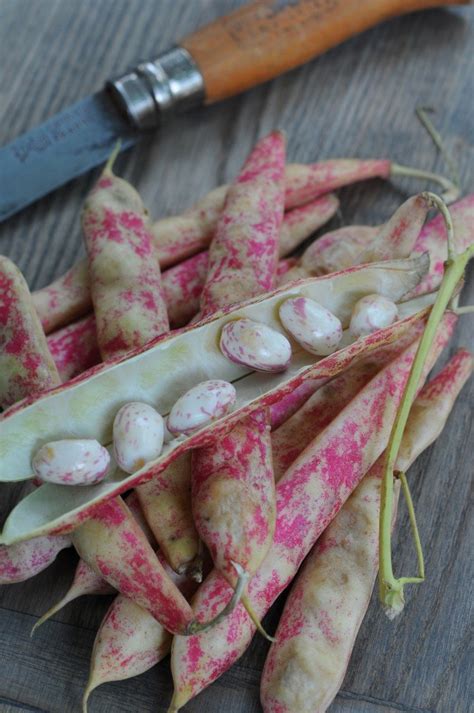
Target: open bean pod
168,366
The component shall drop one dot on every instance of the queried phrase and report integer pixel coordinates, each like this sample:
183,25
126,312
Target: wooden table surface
356,101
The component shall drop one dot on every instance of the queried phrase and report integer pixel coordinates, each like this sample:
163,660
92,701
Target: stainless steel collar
171,82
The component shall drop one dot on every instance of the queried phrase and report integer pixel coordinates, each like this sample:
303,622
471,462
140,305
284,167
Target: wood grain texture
357,100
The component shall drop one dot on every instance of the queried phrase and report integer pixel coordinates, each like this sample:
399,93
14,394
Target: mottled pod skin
26,367
113,544
178,237
130,641
166,503
64,300
88,581
433,239
285,408
306,665
26,364
182,287
233,494
74,348
69,296
24,560
123,265
305,182
244,252
359,244
308,497
296,433
299,223
337,249
181,236
397,237
402,234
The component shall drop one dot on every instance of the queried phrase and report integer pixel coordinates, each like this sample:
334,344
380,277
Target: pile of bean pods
196,434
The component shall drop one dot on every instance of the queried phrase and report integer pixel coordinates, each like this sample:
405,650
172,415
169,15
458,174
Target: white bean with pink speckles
138,435
72,462
313,326
255,345
371,313
202,404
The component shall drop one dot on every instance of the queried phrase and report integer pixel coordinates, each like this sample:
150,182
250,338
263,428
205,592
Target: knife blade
62,148
251,45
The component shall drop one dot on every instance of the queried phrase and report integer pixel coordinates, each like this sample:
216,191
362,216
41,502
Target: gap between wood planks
20,706
350,696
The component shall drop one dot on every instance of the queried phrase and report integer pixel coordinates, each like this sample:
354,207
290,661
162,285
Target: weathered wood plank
358,100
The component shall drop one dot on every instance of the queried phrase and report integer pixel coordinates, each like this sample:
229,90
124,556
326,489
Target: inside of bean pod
167,368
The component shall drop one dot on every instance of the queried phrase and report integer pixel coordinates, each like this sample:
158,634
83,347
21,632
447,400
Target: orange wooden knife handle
263,39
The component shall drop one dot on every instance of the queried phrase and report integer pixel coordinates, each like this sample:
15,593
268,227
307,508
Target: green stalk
451,190
111,160
390,588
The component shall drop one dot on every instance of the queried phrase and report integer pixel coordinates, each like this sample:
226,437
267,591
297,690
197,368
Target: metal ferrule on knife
170,83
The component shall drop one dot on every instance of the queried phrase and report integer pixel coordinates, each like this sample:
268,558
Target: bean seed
138,435
202,404
313,326
371,313
256,345
71,462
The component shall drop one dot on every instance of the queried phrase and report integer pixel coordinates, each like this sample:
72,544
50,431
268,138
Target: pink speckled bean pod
243,255
299,223
433,239
26,559
304,182
128,315
308,496
26,367
179,237
166,503
74,348
123,265
336,250
87,581
113,544
104,388
26,364
360,244
397,237
64,300
323,613
233,495
130,641
232,481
